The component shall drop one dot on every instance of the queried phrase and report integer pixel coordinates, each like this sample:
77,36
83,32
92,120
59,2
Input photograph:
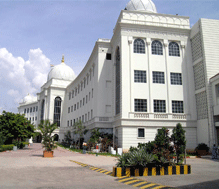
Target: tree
15,127
47,129
67,137
162,147
179,140
80,130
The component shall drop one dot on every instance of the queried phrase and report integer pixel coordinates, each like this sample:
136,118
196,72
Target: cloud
20,77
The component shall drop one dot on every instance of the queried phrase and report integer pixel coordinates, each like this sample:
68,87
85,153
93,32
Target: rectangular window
78,105
74,121
86,98
140,132
76,92
108,56
92,93
35,118
84,83
75,107
36,108
71,108
89,96
91,114
177,106
73,94
85,117
87,79
140,76
93,71
79,118
176,78
140,105
83,101
27,110
71,122
160,106
78,89
33,109
68,123
158,77
69,95
81,86
68,109
30,110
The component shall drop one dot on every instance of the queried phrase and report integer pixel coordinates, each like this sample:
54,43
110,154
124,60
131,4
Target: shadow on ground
203,185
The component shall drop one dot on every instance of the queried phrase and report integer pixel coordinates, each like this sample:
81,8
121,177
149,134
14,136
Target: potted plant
48,142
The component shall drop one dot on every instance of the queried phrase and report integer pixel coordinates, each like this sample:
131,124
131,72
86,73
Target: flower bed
151,171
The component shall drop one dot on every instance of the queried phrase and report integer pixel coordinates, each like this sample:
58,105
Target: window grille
139,46
141,133
174,49
160,106
176,78
177,107
140,105
140,76
158,77
157,48
57,111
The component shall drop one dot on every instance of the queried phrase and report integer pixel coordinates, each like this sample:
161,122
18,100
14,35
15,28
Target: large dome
61,71
141,5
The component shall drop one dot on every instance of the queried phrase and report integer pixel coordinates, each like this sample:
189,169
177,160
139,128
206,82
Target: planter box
47,153
151,171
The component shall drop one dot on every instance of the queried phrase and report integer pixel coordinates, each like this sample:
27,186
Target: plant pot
47,153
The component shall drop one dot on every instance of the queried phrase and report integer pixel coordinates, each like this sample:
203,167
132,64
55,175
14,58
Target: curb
152,171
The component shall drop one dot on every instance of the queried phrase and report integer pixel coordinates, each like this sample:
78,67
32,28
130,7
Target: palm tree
79,129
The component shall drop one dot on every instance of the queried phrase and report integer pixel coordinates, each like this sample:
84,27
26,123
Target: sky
35,33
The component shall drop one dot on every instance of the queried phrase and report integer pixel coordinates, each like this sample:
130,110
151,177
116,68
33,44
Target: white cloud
21,77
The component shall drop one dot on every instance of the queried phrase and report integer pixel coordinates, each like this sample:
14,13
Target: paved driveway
28,169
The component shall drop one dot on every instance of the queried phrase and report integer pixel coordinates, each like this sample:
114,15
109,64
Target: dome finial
63,60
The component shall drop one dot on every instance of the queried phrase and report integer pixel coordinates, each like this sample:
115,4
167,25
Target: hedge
6,147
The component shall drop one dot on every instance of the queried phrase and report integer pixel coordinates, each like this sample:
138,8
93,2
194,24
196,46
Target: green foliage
179,140
202,146
136,158
133,149
148,147
79,129
47,129
6,147
95,135
67,137
15,127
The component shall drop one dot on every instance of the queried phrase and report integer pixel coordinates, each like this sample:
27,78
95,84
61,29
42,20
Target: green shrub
202,146
6,147
132,149
123,160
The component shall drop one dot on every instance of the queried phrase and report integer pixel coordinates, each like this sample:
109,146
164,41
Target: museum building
155,71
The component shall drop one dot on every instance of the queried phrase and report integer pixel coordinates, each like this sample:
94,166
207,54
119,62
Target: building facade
156,71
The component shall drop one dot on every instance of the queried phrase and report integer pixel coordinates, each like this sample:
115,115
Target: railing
141,115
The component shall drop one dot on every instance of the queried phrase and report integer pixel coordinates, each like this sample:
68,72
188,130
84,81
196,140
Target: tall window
157,48
140,76
140,105
69,95
177,107
160,106
174,49
139,46
158,77
42,109
117,81
57,111
176,78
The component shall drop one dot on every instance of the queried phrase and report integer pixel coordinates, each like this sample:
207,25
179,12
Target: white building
155,72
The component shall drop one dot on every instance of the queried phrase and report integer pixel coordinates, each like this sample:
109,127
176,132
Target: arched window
42,110
139,46
117,82
174,49
57,111
157,48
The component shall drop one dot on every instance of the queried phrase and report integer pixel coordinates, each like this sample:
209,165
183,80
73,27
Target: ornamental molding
160,33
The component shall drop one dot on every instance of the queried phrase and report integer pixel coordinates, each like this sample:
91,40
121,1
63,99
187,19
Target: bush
6,147
202,146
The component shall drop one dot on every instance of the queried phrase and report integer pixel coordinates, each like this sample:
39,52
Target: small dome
29,98
141,5
61,71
